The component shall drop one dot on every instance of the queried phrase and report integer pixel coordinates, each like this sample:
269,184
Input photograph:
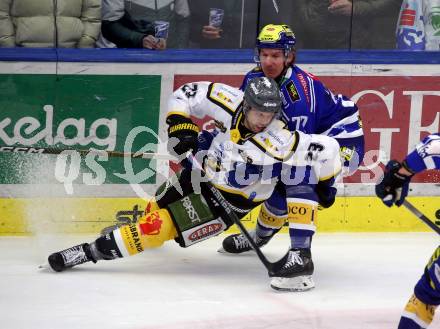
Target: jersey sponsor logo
269,145
132,241
300,213
292,91
223,97
296,210
189,208
152,224
205,231
274,136
229,91
303,82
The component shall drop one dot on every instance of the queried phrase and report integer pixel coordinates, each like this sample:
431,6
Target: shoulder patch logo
304,85
223,97
292,91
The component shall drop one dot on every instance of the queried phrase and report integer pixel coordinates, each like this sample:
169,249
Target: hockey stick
425,219
114,154
225,204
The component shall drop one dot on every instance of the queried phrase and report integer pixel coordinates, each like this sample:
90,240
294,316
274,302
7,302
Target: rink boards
97,104
90,215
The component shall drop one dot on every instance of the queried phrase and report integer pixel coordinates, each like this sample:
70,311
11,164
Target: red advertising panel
396,111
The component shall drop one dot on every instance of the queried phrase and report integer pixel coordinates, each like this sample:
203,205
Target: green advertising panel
78,112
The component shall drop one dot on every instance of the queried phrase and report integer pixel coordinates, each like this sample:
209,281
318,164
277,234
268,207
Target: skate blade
297,284
44,266
221,250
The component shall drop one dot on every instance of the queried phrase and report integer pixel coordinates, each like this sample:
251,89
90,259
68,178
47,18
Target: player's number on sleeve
313,151
189,91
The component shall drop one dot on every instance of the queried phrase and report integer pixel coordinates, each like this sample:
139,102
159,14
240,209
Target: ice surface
362,281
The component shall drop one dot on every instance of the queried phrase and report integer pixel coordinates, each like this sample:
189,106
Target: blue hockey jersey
310,107
426,154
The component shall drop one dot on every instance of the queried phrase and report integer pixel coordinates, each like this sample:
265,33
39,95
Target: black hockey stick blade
422,217
225,204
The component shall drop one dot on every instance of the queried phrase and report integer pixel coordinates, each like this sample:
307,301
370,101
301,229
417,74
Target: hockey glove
182,135
326,194
393,187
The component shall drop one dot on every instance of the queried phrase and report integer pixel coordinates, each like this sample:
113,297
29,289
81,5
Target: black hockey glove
326,194
393,187
182,135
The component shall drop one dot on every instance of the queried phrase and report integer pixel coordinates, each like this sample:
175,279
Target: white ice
362,281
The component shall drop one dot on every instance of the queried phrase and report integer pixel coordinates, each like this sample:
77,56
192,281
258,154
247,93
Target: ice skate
237,243
294,271
62,260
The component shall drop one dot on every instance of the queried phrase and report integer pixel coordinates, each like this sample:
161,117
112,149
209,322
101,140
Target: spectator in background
330,24
130,23
419,25
238,28
31,23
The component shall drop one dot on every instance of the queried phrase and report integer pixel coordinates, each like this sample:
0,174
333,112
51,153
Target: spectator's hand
393,186
211,32
340,7
151,42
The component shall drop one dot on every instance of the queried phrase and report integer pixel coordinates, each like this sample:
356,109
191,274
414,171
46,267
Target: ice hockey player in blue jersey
310,107
393,189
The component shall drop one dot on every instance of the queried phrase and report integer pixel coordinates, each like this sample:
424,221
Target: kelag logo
29,131
84,112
